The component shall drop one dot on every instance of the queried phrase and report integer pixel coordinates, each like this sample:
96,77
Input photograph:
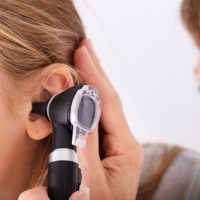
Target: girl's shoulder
171,171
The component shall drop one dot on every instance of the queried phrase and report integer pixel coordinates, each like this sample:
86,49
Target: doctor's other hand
111,162
40,193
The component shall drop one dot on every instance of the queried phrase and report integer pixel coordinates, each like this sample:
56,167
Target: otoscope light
85,114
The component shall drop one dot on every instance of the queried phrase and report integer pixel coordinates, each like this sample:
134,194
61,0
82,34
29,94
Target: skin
114,177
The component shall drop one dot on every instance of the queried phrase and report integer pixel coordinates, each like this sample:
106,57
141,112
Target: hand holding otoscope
115,173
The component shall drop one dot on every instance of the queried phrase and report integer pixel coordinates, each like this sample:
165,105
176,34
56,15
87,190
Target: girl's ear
38,127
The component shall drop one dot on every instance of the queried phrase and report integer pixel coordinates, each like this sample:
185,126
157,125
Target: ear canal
40,108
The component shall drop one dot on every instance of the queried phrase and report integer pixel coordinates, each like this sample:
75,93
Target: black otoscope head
79,106
57,108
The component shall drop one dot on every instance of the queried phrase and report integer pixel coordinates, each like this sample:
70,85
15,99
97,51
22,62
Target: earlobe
38,128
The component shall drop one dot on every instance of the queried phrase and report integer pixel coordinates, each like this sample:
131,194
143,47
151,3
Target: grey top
181,181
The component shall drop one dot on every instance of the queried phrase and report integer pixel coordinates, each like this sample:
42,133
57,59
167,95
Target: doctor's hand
112,159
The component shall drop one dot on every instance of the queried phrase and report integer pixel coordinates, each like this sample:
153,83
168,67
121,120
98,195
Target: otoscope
74,113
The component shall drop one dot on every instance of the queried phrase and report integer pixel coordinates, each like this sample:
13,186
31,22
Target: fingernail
84,48
84,193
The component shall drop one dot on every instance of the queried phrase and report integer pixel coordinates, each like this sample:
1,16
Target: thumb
82,194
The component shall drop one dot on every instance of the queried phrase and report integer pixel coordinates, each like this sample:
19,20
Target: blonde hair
33,35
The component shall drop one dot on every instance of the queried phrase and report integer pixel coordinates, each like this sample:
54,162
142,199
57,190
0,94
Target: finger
39,193
89,158
88,44
90,74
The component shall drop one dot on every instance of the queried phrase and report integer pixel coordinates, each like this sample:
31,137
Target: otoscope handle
64,175
62,137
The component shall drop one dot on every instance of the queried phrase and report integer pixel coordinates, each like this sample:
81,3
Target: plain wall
150,59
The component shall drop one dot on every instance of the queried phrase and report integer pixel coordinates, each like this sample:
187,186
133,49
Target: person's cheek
12,130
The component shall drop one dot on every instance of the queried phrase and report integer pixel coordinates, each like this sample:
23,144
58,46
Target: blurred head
37,42
190,12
